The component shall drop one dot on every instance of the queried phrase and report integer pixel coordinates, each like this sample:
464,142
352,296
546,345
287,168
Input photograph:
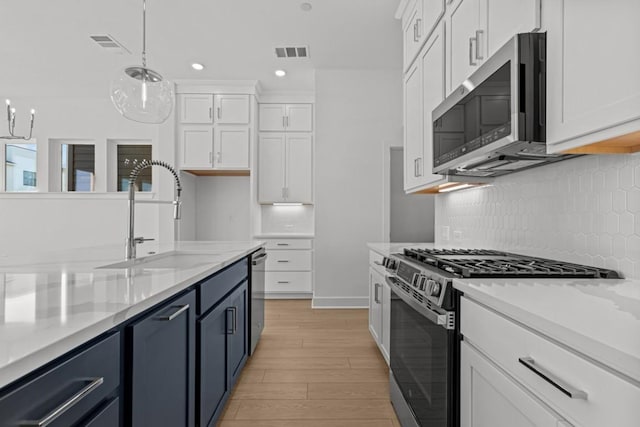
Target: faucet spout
131,241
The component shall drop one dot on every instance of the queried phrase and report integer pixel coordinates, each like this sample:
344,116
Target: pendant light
139,93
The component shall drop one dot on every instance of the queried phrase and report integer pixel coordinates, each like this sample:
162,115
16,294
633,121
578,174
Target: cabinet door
271,117
489,398
503,19
213,384
593,77
433,87
196,108
162,362
231,109
231,147
237,344
411,39
299,169
413,119
271,164
386,319
463,28
375,305
196,144
299,117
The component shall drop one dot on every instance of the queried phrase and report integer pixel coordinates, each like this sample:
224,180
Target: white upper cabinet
593,77
418,21
285,168
299,169
196,108
231,147
286,117
231,109
477,28
424,90
299,118
195,147
413,142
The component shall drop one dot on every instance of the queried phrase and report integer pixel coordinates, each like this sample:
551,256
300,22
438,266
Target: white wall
358,115
223,208
46,222
584,210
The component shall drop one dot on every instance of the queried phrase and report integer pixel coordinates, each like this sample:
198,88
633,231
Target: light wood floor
312,368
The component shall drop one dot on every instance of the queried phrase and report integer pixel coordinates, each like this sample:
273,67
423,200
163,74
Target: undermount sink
167,260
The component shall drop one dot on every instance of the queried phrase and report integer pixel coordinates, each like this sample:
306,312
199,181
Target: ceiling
46,49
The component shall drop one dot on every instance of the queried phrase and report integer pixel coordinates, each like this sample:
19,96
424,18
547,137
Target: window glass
128,157
78,167
20,167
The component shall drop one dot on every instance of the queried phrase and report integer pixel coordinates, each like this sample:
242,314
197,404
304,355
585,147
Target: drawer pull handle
66,405
552,379
283,281
283,260
234,320
282,244
181,309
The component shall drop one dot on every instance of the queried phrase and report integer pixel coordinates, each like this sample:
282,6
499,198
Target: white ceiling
46,49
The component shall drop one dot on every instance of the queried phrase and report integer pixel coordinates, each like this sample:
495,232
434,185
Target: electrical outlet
445,233
457,236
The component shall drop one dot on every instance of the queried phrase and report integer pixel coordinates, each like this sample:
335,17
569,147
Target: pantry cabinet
593,84
285,168
231,109
285,118
418,21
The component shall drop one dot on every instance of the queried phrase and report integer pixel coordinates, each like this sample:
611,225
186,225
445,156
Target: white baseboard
340,302
288,295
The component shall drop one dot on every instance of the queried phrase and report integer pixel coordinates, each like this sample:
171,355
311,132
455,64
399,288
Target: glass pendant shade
142,95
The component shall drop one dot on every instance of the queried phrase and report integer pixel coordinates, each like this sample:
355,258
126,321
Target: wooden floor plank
278,391
308,423
312,409
326,391
325,375
295,363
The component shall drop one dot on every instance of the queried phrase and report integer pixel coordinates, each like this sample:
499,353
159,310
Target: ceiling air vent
292,52
109,43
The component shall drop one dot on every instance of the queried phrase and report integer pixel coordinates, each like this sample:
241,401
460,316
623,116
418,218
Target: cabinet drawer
609,399
211,290
288,244
81,383
288,281
288,261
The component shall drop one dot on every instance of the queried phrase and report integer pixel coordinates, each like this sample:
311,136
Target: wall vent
109,43
292,52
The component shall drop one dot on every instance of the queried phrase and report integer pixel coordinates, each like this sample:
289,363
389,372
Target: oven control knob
435,289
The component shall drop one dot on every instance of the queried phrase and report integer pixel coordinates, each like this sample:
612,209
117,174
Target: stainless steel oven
423,355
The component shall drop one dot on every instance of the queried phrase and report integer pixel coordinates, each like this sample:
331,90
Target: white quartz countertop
53,302
599,318
386,248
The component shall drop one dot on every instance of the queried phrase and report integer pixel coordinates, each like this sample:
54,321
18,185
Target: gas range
427,274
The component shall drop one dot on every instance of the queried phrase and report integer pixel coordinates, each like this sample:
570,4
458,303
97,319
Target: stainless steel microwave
494,123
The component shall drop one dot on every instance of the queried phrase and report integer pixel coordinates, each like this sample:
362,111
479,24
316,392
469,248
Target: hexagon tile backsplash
584,210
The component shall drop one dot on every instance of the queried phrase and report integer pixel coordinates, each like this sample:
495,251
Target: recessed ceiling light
197,66
281,73
306,7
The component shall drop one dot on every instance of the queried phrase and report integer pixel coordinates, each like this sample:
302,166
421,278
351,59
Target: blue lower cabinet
162,366
70,392
222,352
106,416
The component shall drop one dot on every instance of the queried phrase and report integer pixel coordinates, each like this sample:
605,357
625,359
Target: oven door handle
444,320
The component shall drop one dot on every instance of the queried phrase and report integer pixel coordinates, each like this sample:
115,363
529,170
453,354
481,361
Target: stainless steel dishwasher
256,308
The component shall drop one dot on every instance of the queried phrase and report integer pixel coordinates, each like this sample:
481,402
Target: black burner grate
489,263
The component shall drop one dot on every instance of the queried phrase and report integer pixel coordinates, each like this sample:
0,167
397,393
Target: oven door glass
422,362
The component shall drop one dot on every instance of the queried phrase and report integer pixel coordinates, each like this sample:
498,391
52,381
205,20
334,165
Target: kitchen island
54,304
